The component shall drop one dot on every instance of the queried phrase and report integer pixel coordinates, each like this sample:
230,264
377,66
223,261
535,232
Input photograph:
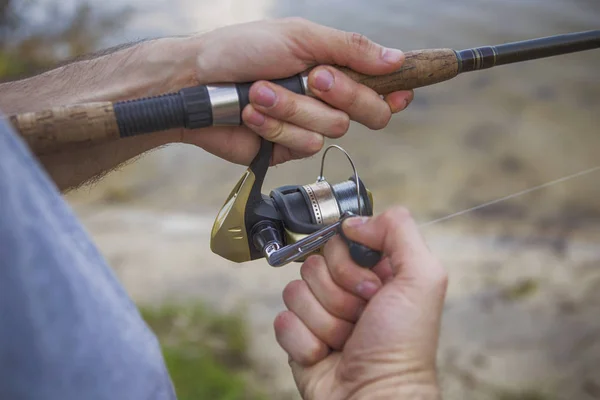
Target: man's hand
353,333
297,124
238,53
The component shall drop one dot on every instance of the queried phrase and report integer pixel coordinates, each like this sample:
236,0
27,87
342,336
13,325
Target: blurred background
521,319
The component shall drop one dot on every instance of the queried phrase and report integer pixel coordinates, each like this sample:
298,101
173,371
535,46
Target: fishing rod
222,104
292,222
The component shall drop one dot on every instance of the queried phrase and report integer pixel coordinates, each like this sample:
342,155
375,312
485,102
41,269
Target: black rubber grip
190,108
150,114
293,84
197,107
361,254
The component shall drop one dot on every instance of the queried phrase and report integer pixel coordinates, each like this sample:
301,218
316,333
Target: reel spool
292,222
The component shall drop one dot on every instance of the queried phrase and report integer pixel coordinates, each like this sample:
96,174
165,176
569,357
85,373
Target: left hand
355,333
296,124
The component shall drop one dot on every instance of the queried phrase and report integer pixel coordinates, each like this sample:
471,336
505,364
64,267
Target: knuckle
395,215
335,269
340,125
335,305
275,131
344,277
288,108
358,42
313,354
351,99
342,308
382,121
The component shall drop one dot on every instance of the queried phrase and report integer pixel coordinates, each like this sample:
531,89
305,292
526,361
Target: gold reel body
289,224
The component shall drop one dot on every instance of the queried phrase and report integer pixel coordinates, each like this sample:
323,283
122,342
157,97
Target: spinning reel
292,222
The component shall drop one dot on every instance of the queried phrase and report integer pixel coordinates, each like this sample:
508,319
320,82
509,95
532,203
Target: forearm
144,69
72,168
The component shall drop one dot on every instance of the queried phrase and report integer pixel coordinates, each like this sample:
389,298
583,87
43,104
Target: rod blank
547,47
485,57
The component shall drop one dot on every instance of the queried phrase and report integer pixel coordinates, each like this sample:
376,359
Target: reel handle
361,254
265,237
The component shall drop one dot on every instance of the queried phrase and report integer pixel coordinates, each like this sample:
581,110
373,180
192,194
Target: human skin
355,333
257,51
351,333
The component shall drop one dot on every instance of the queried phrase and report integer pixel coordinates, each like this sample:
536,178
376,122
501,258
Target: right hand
298,125
354,333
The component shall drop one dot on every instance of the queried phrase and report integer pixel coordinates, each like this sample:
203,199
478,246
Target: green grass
205,352
522,289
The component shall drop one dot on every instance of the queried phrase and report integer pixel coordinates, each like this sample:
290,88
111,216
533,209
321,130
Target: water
478,137
407,24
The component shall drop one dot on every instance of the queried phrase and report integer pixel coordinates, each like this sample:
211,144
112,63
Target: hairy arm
130,71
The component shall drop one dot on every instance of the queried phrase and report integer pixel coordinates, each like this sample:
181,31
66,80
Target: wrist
146,69
156,67
429,392
415,385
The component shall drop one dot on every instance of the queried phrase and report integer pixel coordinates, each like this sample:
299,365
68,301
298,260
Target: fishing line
511,196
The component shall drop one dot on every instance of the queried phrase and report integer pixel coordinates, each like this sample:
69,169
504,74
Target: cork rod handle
49,130
421,68
84,124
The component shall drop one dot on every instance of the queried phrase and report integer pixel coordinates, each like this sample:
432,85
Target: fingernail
367,289
355,222
405,104
323,80
398,102
256,118
392,56
265,97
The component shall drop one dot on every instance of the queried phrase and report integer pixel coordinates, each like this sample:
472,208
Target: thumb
348,49
397,236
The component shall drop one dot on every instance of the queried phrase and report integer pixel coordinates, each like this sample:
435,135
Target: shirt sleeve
68,329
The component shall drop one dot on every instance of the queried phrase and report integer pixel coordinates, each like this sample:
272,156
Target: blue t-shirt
68,329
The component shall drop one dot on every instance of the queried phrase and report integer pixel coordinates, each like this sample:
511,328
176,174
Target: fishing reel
292,222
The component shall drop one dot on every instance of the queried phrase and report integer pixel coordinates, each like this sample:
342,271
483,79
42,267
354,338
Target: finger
383,270
297,139
333,298
399,101
347,274
350,49
360,102
396,234
298,341
303,111
329,329
239,145
282,154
